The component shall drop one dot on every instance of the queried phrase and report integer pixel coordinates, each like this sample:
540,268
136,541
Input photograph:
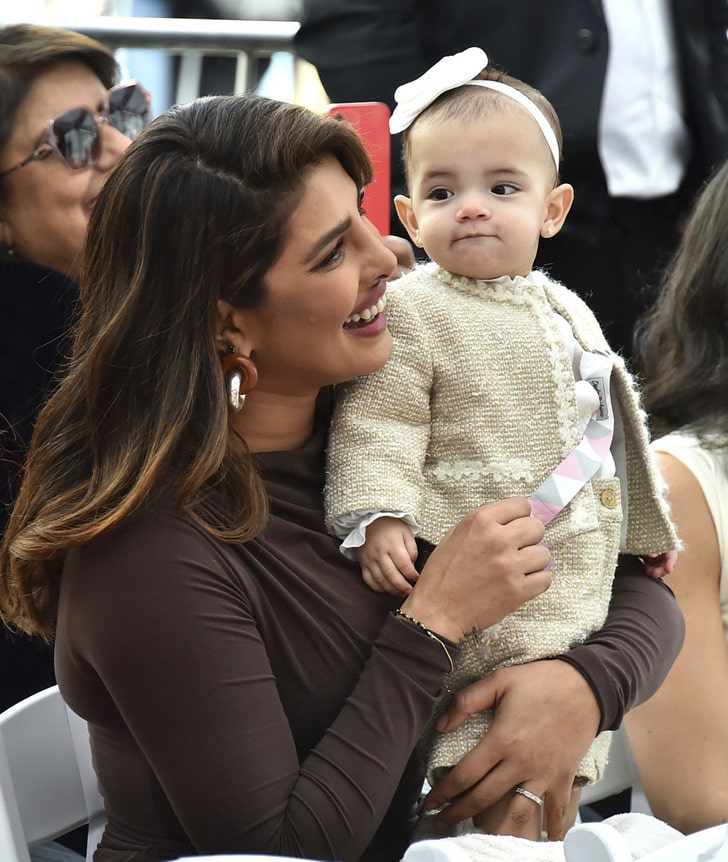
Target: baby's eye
505,189
362,210
439,194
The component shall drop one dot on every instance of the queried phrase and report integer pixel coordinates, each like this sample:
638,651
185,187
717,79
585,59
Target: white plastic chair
597,842
587,842
47,783
434,850
241,857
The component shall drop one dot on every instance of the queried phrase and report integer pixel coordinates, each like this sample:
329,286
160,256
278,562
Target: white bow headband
456,71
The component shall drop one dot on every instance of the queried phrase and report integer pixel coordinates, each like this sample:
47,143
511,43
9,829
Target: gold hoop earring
241,375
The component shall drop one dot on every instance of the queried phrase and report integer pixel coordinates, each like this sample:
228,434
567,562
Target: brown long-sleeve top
259,698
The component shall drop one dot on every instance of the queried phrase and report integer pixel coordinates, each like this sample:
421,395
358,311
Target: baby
501,383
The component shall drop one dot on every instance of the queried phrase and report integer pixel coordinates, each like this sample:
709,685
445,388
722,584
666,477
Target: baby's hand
387,557
404,253
659,565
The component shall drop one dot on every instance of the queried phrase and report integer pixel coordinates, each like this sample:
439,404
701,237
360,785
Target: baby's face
480,193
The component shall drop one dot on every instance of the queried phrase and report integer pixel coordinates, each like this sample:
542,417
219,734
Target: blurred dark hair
681,345
472,103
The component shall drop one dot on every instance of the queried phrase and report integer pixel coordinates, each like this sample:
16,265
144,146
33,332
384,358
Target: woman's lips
369,309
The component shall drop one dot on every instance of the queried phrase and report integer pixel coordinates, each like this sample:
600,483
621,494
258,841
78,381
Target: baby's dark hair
471,103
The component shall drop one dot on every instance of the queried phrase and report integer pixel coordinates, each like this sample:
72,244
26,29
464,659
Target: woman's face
47,205
321,320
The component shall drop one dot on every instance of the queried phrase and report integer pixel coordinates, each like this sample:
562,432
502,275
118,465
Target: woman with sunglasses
245,691
62,128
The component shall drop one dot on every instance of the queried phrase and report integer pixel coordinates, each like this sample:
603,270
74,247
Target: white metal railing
190,37
177,34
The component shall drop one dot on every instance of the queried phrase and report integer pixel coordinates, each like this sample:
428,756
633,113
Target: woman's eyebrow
327,238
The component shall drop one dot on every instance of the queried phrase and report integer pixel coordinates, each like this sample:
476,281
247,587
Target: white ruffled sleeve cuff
352,527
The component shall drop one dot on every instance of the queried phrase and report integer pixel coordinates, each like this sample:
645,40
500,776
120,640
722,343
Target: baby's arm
659,565
387,557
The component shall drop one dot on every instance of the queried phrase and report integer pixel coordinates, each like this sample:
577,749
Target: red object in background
371,120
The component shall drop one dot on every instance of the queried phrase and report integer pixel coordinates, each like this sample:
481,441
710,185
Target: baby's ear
407,216
558,204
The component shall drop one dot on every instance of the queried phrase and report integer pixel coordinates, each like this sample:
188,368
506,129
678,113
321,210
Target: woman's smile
368,317
328,285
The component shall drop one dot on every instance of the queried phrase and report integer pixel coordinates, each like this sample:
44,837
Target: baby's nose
473,206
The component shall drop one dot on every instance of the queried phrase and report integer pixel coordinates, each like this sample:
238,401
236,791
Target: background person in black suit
621,229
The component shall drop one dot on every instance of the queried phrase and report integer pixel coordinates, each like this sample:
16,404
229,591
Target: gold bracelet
428,632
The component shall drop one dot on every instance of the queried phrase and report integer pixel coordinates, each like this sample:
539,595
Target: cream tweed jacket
477,404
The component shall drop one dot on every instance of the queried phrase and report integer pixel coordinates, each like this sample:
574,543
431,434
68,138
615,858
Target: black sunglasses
75,135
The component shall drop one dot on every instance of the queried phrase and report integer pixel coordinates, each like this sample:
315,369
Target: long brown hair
195,211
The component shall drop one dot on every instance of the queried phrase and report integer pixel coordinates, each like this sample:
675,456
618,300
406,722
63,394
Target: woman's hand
404,253
545,719
485,568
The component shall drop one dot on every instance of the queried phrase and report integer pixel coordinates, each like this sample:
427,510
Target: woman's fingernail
546,568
